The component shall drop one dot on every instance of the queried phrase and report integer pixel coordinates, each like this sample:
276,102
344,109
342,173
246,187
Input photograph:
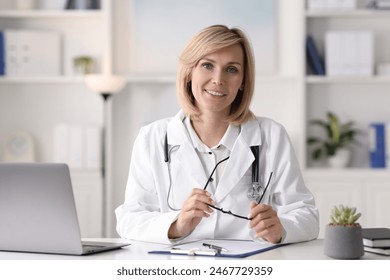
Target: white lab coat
145,214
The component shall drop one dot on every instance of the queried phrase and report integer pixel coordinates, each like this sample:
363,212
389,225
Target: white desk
312,250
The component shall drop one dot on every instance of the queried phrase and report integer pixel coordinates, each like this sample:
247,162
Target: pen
217,248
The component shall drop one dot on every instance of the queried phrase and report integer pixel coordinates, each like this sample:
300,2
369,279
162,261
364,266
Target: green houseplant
83,64
338,136
343,236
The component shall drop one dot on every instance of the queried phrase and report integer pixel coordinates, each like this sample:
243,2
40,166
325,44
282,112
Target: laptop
38,211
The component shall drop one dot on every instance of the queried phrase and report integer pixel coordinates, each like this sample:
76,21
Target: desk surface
311,250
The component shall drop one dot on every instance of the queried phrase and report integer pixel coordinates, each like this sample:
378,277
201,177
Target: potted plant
343,236
334,146
83,64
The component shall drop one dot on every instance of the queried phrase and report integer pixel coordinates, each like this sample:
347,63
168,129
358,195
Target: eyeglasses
230,212
217,208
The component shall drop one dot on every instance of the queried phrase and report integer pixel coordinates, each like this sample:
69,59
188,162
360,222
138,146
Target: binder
78,145
349,53
2,54
93,147
313,57
377,145
235,248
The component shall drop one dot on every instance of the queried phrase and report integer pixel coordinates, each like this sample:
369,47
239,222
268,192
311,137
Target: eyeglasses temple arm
266,187
212,173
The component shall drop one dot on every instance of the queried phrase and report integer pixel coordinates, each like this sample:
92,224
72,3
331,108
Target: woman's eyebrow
229,63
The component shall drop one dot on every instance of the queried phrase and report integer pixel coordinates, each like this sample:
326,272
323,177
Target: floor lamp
106,86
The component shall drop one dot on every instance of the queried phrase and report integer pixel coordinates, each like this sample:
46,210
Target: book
376,237
313,57
387,144
381,251
2,54
377,145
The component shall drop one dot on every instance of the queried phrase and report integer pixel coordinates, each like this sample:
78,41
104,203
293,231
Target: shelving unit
36,104
361,99
336,92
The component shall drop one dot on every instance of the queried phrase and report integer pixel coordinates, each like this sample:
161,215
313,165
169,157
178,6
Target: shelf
42,80
348,80
357,13
54,14
356,173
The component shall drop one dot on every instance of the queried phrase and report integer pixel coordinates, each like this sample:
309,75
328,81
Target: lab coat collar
251,132
177,133
185,154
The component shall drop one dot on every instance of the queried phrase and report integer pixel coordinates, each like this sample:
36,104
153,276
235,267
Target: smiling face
216,80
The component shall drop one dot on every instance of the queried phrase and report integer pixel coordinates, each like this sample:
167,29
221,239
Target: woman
188,171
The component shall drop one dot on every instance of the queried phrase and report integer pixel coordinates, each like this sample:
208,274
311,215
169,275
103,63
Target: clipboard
235,248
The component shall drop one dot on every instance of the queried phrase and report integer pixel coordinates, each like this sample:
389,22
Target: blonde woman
215,170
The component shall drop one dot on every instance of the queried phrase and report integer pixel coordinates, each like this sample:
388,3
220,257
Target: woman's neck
210,130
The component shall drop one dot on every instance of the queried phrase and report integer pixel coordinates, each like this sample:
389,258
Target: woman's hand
265,222
194,209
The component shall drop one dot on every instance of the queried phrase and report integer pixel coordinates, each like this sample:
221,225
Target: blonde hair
209,40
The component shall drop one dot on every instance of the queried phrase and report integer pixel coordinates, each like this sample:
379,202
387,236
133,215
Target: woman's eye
207,65
232,70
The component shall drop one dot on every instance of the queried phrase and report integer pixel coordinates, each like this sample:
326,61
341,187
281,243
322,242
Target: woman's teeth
215,93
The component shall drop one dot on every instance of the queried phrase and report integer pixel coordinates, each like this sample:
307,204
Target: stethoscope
255,192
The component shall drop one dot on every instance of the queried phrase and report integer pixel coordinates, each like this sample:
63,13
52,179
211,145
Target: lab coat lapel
191,165
185,156
241,158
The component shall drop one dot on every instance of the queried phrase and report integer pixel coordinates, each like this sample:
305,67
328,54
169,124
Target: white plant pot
340,159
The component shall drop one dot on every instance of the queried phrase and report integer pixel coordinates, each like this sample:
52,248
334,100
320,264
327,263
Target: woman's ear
242,87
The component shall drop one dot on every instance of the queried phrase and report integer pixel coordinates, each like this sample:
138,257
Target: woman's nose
217,78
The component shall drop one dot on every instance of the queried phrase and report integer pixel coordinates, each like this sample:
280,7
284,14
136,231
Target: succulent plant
344,215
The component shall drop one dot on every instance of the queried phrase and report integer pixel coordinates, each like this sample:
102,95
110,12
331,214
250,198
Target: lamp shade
104,83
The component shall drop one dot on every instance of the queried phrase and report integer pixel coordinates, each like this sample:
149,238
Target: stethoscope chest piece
255,192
